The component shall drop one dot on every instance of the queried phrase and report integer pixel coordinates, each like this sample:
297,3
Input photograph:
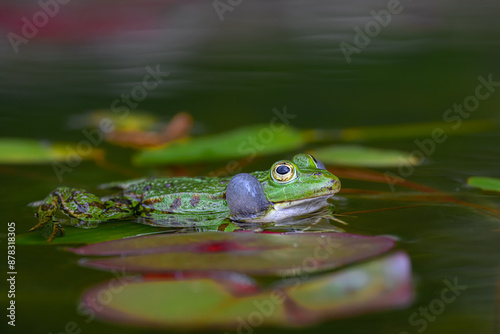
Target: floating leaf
178,127
239,143
484,183
113,231
105,232
244,252
379,284
202,302
268,139
360,156
30,151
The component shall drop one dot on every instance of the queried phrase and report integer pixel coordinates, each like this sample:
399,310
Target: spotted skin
80,204
194,200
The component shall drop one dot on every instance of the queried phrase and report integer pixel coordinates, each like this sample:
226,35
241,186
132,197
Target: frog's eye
283,171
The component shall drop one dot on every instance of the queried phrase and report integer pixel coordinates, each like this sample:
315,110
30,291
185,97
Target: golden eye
283,171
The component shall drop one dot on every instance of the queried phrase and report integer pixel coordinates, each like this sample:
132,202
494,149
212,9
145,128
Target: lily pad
248,142
360,156
484,183
178,127
240,143
280,254
198,303
105,232
112,231
30,151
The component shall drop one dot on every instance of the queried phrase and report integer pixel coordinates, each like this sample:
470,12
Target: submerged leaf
484,183
284,254
236,144
359,156
202,302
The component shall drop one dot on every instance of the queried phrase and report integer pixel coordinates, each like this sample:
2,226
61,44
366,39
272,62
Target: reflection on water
101,49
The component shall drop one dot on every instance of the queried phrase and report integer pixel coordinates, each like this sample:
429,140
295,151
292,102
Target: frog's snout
336,185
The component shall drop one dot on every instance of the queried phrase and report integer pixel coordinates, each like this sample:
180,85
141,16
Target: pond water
418,60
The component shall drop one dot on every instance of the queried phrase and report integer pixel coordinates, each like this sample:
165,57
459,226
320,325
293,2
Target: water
234,72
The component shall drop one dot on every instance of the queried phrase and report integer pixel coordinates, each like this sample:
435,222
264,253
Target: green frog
288,189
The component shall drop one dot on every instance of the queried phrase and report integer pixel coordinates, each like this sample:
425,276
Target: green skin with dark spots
187,201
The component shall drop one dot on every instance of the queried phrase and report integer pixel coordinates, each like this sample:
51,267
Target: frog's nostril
335,184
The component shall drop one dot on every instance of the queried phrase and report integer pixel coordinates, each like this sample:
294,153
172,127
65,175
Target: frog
289,188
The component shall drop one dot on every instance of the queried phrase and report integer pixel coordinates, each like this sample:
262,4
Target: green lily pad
200,303
484,183
105,232
240,143
29,151
21,151
109,231
360,156
282,254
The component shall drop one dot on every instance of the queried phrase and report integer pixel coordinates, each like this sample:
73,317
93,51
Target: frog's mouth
287,209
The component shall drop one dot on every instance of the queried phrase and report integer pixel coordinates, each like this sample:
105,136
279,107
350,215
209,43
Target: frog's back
181,195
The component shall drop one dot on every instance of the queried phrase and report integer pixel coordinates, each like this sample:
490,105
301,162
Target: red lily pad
377,285
281,254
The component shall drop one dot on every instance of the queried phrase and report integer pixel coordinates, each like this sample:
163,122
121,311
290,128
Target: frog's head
289,188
